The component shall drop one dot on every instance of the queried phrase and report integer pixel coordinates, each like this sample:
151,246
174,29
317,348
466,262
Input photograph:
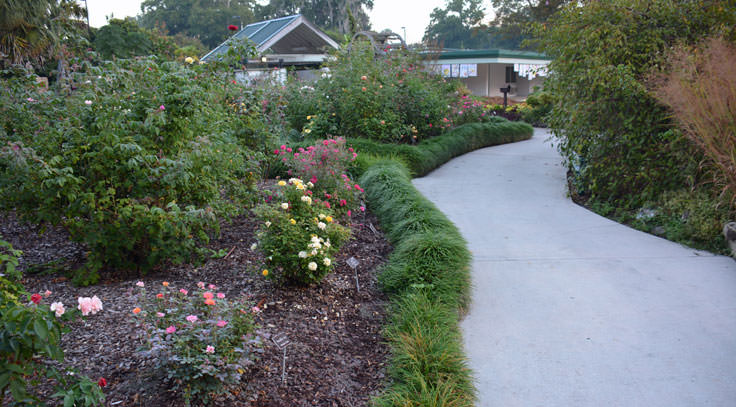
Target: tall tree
206,20
327,14
37,30
513,17
458,25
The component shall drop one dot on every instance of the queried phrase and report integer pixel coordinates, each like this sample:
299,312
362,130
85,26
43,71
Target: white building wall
478,84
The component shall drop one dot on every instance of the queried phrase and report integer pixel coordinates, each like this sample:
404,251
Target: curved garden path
572,309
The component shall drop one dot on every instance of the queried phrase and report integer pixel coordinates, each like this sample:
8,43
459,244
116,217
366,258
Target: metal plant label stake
282,342
353,263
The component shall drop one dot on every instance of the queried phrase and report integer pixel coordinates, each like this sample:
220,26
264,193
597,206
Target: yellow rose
264,272
292,221
282,183
328,219
189,60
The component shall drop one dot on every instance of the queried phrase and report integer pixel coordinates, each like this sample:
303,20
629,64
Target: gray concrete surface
572,309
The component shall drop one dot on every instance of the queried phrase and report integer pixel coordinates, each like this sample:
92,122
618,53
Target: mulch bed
337,355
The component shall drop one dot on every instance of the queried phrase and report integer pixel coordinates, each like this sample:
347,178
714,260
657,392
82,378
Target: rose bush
30,334
299,236
201,340
325,165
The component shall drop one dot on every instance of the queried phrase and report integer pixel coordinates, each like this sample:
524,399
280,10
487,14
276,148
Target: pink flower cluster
89,305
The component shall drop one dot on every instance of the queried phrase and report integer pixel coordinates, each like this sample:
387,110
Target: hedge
428,273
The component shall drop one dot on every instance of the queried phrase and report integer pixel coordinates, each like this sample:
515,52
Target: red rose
232,27
102,382
36,298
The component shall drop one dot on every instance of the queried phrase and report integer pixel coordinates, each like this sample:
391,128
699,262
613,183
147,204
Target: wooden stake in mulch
282,342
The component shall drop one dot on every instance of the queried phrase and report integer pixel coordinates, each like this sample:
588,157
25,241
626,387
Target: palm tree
34,30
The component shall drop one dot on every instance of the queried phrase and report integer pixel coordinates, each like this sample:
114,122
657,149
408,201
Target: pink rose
220,295
58,308
171,329
140,284
183,291
160,314
162,108
210,349
192,318
47,293
200,285
208,295
211,286
221,323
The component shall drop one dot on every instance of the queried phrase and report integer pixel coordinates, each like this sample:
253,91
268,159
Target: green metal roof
489,53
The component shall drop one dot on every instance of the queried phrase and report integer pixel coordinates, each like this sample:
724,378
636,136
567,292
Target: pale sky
391,14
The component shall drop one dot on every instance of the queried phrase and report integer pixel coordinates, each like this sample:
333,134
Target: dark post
505,91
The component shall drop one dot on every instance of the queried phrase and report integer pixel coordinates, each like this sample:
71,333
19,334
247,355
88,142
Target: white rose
312,266
268,224
284,205
253,246
327,261
321,225
303,255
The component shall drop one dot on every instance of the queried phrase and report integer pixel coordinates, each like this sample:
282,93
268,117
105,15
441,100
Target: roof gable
285,35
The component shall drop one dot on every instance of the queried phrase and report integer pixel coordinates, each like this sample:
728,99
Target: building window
510,75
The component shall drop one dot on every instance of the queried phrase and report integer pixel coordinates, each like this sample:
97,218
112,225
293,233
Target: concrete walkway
572,309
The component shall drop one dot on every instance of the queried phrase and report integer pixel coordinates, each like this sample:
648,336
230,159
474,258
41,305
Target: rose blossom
192,318
220,295
36,298
221,323
58,308
171,329
210,349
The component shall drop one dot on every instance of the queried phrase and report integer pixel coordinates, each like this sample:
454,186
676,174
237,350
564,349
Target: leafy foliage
206,20
615,136
36,30
386,98
203,341
326,164
30,335
299,236
456,25
135,164
329,15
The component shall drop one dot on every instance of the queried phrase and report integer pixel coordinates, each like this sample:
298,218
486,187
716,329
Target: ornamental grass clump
201,340
299,237
325,165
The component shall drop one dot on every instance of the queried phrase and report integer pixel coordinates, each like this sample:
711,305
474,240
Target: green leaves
612,132
107,160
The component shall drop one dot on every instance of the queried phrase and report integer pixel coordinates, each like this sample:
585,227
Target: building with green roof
486,71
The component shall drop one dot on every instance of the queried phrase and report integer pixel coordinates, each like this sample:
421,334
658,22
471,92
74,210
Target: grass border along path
428,273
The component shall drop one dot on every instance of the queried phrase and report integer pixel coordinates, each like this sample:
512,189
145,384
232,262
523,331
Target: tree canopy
329,15
206,20
36,30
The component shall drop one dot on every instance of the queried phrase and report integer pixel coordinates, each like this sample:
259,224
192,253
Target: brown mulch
337,355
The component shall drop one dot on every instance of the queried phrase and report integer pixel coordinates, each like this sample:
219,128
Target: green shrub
30,335
202,341
387,98
325,165
540,105
139,163
613,133
299,236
